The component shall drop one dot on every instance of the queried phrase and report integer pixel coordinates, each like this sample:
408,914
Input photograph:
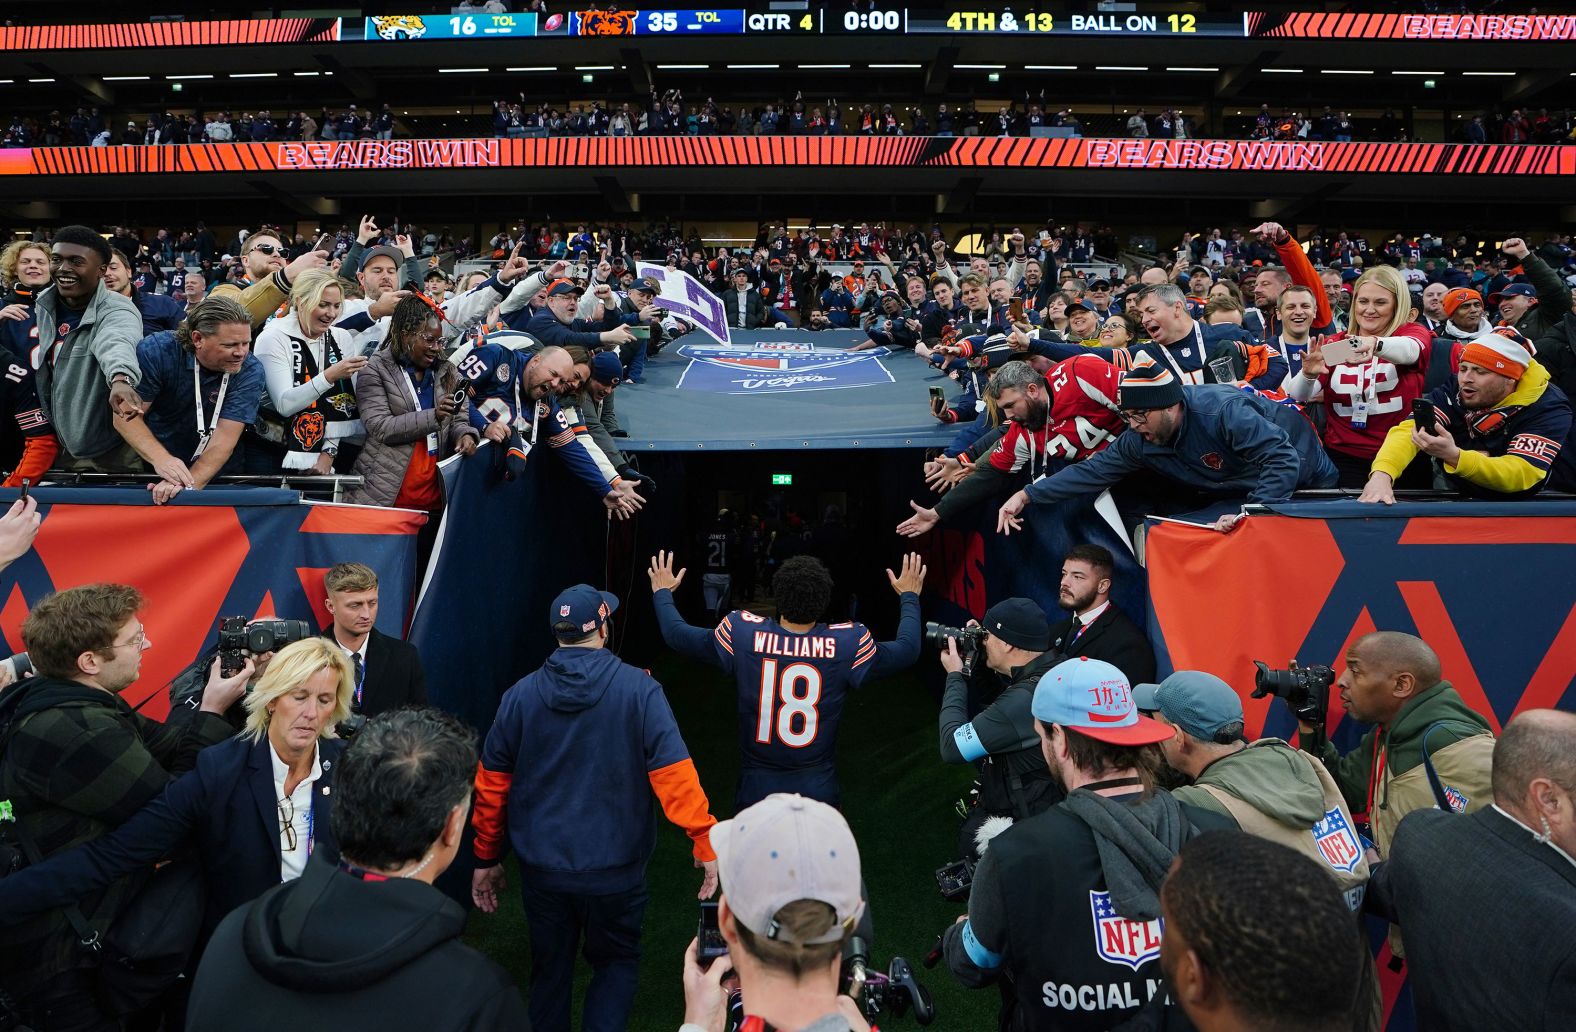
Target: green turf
898,798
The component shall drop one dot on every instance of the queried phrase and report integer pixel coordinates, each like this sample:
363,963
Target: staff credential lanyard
205,432
415,399
1176,367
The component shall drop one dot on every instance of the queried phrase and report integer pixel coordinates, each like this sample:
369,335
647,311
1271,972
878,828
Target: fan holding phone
1368,377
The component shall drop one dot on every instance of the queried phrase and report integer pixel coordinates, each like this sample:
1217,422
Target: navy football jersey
791,687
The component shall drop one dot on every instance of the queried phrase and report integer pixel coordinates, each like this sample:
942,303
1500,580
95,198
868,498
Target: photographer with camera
1014,640
1065,905
789,868
286,752
1427,747
75,762
1269,788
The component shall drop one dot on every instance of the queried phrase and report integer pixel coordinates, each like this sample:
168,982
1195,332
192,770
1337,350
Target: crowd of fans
1244,367
668,113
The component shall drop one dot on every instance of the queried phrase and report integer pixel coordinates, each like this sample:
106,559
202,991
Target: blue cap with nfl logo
582,606
1094,698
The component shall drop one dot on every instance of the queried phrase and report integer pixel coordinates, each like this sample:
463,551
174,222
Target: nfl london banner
779,367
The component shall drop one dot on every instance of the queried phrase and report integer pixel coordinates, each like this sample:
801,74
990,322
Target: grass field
898,798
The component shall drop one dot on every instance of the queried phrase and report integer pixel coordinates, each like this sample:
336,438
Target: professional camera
955,880
969,639
1305,689
237,638
893,993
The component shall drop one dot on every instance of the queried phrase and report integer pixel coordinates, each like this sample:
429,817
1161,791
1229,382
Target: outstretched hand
661,573
919,523
1010,517
913,576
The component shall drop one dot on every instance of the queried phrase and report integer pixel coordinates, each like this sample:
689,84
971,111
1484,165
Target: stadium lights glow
1191,68
682,68
309,75
979,67
172,78
593,68
1284,71
1488,73
1050,68
824,66
126,78
462,71
1121,68
750,67
40,80
1393,72
534,68
888,66
254,75
1348,71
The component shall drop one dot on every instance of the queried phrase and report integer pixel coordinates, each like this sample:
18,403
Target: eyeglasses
433,340
141,641
1137,415
269,249
287,823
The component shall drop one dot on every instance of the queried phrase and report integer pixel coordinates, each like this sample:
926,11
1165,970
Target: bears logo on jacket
1212,460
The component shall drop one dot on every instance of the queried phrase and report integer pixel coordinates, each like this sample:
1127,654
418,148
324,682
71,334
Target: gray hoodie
74,388
1269,776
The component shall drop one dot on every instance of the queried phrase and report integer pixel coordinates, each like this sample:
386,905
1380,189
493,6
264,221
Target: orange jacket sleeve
683,801
489,817
1304,275
38,453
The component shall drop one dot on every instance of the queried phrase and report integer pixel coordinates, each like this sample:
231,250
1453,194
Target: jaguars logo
607,23
406,26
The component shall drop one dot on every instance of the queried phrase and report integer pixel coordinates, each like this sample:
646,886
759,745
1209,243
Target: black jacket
1112,638
1490,944
1014,780
394,675
330,950
224,810
755,315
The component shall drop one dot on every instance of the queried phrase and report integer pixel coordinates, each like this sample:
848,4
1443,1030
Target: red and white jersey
1083,419
1388,390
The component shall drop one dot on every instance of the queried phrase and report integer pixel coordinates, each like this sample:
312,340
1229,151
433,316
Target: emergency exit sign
782,479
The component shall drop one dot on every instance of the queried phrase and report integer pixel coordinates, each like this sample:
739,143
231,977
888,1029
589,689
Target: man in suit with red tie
1096,628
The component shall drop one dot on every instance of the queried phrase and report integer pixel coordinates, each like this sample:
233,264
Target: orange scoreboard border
796,151
169,34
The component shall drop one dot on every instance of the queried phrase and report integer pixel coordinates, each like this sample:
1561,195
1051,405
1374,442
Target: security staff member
1080,950
1270,789
1013,781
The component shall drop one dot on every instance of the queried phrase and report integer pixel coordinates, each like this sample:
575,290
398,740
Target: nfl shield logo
1457,801
563,610
1120,940
1336,842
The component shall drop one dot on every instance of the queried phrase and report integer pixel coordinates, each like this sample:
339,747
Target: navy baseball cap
1019,622
606,368
1085,305
647,284
583,606
1093,698
1100,284
1513,290
1199,703
562,286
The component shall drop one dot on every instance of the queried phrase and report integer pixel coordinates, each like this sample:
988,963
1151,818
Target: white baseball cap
783,849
